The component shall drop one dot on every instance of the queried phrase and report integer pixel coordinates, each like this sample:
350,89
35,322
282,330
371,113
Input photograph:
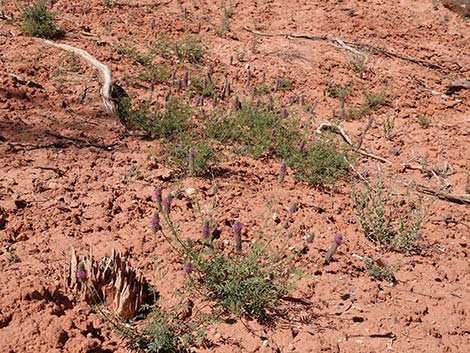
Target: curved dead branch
108,102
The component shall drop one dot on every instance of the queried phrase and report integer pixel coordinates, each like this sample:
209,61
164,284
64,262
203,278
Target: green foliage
190,50
371,101
168,123
283,84
387,219
37,21
152,73
227,13
253,131
250,130
423,121
206,89
320,163
124,48
379,272
248,284
337,90
205,156
358,62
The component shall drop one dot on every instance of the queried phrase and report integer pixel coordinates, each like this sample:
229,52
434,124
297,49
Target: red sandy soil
57,196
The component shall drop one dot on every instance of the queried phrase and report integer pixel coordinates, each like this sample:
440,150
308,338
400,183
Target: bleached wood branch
108,102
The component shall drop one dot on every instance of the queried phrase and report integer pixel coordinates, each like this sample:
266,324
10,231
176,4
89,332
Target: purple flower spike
338,238
156,223
284,112
82,274
237,232
302,100
282,173
419,236
236,104
167,204
158,195
206,230
237,227
188,268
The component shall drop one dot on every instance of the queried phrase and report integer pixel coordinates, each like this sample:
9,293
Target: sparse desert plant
319,163
337,241
227,13
423,121
244,284
192,157
386,218
190,49
358,62
37,21
283,84
249,129
379,270
13,257
168,123
389,126
371,101
337,90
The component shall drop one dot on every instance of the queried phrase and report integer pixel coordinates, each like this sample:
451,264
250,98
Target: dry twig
356,48
337,129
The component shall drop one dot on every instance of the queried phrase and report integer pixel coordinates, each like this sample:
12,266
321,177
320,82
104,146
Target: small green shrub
37,21
394,222
337,90
379,272
320,163
204,159
251,130
283,84
423,121
190,50
168,123
249,284
371,101
202,88
152,73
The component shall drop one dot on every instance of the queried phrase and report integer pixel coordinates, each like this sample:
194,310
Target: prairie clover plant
388,219
337,241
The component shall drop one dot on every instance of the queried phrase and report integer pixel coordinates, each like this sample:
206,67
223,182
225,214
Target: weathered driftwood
110,280
106,89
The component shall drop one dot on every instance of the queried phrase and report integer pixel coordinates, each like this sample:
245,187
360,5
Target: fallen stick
456,198
337,129
108,102
353,46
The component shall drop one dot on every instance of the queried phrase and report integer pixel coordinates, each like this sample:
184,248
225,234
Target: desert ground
386,82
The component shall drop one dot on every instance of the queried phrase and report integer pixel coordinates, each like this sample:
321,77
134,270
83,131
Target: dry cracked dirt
73,176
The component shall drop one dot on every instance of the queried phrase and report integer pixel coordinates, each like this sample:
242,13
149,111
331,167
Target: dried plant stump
111,280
